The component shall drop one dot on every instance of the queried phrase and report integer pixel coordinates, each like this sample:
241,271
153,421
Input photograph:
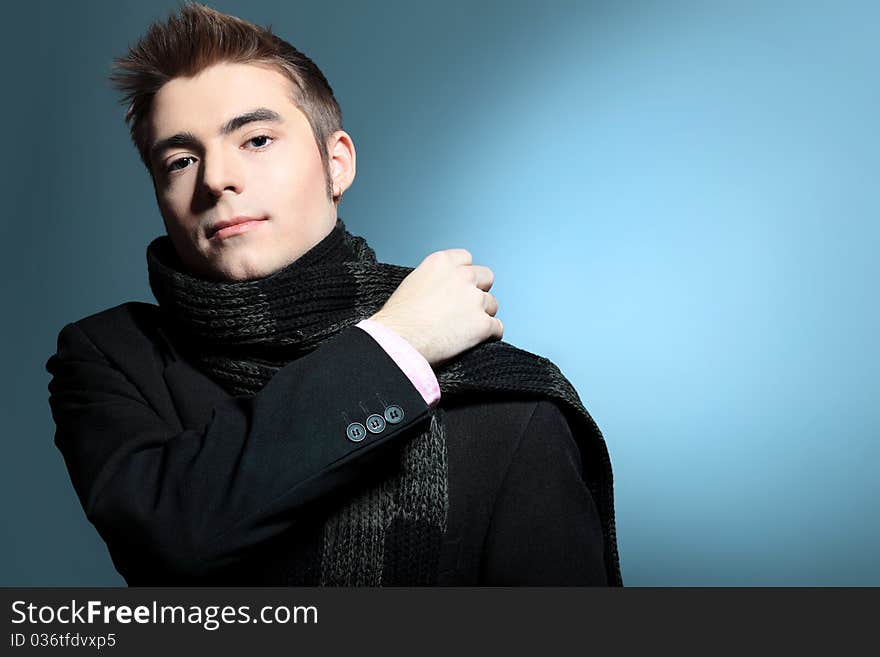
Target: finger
484,277
459,256
497,328
490,304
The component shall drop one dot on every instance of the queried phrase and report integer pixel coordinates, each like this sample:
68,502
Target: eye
172,167
260,137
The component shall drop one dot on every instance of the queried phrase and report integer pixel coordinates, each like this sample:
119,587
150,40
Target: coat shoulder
132,320
128,331
507,414
128,316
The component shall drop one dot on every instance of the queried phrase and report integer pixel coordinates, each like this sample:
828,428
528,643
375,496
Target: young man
293,411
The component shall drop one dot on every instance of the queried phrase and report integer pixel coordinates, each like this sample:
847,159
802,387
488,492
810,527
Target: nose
221,171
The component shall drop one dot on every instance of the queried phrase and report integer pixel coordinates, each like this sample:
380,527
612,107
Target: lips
233,226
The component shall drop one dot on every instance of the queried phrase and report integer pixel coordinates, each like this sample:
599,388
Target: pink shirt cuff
407,359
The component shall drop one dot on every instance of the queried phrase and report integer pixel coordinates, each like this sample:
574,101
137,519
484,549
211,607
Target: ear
342,161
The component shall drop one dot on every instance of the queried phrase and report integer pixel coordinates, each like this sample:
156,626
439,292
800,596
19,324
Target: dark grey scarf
390,533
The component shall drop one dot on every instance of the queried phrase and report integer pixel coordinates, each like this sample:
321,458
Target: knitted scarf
390,532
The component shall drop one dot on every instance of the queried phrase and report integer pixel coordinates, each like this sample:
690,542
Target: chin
245,268
239,274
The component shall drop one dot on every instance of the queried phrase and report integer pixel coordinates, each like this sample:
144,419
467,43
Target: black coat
189,484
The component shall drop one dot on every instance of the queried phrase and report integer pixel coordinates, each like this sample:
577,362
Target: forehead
215,94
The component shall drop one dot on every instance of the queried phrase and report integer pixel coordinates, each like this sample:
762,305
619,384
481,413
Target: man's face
268,169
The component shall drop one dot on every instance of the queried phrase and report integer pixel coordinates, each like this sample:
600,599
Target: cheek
172,199
172,209
296,180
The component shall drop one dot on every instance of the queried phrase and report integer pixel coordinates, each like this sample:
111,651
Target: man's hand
443,307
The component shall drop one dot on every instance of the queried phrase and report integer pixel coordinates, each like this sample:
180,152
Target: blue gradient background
678,199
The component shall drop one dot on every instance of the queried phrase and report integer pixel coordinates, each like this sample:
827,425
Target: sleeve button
356,432
376,423
394,414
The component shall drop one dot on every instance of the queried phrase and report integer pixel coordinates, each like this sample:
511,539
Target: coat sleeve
545,528
183,505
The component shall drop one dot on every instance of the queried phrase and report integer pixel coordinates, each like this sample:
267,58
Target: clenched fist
443,307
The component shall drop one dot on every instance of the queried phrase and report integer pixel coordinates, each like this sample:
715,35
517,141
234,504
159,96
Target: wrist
400,331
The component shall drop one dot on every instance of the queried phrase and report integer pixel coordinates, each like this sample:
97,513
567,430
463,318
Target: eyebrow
188,139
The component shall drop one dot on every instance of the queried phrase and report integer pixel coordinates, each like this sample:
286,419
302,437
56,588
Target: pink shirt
407,358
